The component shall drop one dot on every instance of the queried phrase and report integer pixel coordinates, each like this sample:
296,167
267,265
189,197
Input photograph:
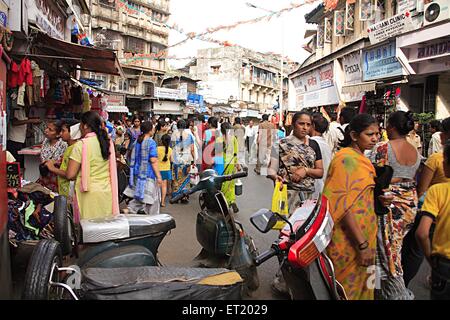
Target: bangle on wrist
306,171
364,245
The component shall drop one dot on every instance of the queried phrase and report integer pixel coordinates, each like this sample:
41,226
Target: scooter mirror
263,220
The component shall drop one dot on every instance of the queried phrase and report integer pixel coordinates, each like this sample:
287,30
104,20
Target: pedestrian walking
266,132
145,177
393,227
165,160
319,127
436,209
350,191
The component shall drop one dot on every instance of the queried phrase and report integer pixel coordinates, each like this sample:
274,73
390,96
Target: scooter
307,270
119,260
223,240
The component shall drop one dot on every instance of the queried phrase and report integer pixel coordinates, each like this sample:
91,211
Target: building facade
136,30
393,53
236,80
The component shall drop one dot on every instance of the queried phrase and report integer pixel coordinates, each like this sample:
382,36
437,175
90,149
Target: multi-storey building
240,80
136,30
395,53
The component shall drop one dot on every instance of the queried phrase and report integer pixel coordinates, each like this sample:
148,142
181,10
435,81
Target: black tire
46,255
62,229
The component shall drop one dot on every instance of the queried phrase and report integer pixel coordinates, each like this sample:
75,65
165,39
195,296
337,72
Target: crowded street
297,150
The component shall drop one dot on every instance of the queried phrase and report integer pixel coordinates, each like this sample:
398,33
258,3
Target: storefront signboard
380,62
115,99
390,27
167,93
440,47
48,17
352,68
322,97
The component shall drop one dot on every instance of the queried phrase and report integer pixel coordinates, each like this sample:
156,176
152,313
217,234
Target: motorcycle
223,240
119,257
307,270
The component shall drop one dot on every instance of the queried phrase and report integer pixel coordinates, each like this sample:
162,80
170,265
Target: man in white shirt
319,126
336,130
17,132
435,142
251,132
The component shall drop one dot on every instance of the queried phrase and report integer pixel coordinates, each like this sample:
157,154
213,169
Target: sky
279,35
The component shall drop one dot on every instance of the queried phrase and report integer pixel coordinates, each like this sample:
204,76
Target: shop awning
359,87
123,109
89,59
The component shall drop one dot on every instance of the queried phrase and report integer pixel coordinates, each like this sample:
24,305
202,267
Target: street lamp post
280,101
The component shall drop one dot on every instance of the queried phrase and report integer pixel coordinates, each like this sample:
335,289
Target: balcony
105,13
154,5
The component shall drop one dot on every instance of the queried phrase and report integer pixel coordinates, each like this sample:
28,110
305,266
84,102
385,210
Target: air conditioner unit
436,11
133,83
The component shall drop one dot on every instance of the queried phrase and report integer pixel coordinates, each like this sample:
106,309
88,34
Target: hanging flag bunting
328,30
350,16
339,23
365,10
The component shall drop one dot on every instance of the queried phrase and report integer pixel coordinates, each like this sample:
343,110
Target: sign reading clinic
390,27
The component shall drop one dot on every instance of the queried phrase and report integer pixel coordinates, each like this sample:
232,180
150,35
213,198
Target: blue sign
380,62
195,100
3,19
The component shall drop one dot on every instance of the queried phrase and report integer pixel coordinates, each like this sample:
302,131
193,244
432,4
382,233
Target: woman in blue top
145,178
183,157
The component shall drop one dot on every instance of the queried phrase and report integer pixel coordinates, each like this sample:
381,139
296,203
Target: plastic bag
280,204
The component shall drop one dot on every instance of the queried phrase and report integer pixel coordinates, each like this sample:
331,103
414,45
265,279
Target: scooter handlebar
241,174
263,257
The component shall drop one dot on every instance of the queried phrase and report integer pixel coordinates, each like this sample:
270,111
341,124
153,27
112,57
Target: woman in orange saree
350,190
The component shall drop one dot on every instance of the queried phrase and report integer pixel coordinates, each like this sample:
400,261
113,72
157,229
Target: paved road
180,246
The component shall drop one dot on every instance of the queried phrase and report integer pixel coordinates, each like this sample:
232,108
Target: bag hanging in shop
280,204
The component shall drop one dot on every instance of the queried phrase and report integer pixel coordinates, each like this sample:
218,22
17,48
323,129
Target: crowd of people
341,158
345,161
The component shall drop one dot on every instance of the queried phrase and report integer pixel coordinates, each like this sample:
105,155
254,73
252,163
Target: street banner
390,27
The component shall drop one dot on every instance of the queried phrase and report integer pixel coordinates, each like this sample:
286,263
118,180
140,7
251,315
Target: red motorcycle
300,248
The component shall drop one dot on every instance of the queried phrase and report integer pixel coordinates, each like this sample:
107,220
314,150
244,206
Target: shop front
425,54
383,74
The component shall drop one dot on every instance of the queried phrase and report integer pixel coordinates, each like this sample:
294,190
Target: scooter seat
125,226
161,283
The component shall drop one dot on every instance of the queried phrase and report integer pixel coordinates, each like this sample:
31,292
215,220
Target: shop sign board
352,68
48,17
322,97
390,27
316,79
167,93
380,62
433,49
115,99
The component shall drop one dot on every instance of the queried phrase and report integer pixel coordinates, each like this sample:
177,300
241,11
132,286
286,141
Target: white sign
390,27
352,68
167,93
322,97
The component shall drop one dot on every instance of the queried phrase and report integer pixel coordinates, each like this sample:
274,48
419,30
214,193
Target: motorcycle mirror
263,220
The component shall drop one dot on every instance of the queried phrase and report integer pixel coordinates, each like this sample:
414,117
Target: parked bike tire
62,227
45,257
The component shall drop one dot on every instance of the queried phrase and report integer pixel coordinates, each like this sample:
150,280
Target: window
215,69
156,48
134,45
101,79
124,85
380,10
148,88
